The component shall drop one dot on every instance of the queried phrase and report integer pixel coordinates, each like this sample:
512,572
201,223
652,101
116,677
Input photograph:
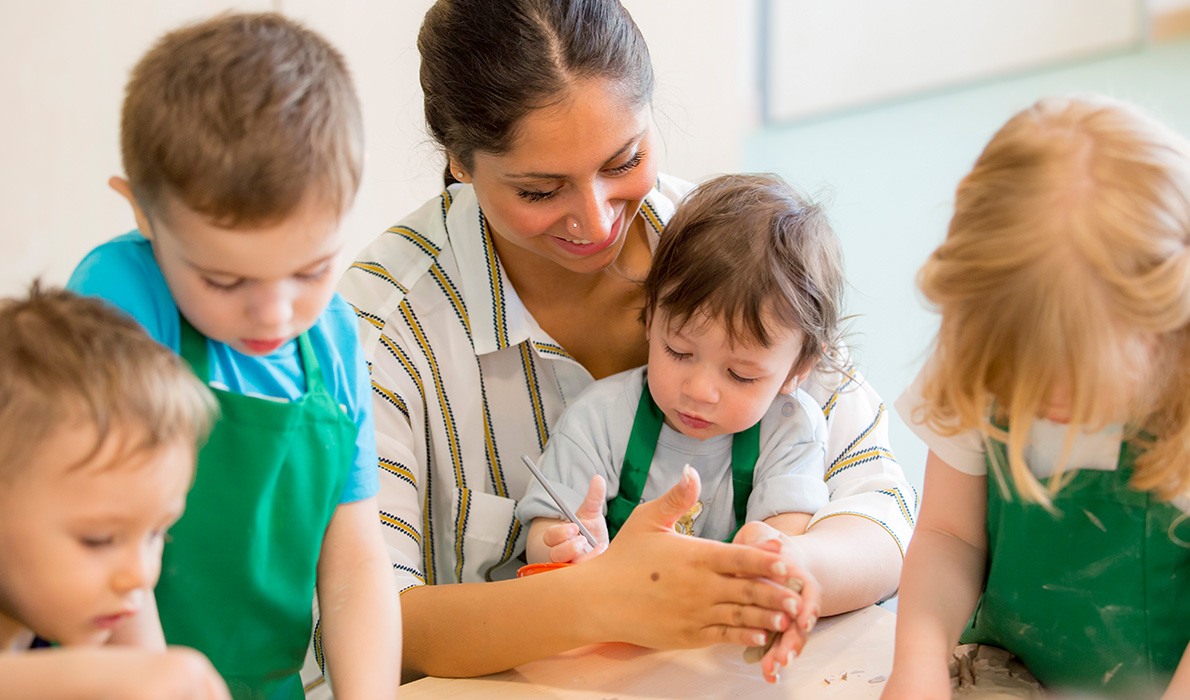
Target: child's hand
802,608
177,673
565,541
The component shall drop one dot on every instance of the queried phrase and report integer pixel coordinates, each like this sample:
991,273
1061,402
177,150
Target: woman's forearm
856,562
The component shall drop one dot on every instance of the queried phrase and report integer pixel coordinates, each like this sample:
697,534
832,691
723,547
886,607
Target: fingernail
758,639
811,622
790,657
687,474
791,607
779,568
776,625
776,674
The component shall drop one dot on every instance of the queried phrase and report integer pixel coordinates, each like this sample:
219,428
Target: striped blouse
465,381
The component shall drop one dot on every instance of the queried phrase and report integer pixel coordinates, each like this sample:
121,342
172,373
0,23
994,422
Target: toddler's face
253,289
705,387
82,545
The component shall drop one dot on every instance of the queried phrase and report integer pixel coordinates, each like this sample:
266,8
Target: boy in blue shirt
241,138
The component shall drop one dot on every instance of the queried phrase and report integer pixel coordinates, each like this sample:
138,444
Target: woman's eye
222,285
95,542
536,195
632,163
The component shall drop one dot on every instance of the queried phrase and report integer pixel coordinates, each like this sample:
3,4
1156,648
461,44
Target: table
859,644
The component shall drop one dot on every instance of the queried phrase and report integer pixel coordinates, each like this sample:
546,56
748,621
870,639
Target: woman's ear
457,170
124,189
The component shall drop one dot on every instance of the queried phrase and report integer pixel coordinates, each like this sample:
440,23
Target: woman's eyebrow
554,176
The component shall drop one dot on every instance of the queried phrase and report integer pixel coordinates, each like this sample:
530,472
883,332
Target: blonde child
98,427
741,303
1056,406
242,142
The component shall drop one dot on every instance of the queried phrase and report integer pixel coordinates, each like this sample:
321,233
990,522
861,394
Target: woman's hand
659,589
799,579
566,543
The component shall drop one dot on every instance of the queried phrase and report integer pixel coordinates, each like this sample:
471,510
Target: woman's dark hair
485,64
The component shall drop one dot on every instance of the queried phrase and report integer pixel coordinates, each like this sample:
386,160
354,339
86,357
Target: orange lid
539,568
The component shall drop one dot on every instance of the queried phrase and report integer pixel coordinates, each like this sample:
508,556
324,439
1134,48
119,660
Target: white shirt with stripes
465,382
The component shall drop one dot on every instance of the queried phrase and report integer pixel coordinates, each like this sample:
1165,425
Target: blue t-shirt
124,272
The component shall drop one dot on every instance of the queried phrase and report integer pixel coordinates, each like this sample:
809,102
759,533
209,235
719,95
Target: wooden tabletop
858,644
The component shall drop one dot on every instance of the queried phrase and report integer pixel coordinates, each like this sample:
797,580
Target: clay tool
560,503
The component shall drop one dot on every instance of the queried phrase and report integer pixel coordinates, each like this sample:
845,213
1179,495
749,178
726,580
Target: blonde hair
67,360
241,117
1066,270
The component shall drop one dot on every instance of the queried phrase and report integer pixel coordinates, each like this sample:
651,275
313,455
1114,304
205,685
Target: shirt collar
498,317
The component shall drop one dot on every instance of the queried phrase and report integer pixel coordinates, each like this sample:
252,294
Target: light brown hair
241,117
1066,272
744,249
68,360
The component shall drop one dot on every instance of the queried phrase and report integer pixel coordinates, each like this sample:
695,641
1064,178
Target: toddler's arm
94,673
357,596
941,581
557,540
1179,687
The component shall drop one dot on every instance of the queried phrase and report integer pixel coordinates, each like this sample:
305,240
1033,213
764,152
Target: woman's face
572,182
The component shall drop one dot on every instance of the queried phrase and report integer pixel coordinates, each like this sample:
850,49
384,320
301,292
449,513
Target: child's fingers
555,535
570,550
785,649
810,604
593,503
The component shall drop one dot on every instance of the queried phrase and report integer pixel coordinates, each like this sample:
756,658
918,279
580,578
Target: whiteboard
825,55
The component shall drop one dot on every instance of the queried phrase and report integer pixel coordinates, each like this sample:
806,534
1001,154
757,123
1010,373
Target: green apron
1094,597
237,577
642,444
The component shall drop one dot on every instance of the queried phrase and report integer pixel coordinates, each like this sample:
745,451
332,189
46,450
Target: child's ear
124,189
796,378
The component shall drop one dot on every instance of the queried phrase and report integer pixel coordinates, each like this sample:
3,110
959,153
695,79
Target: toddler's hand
178,674
803,607
565,541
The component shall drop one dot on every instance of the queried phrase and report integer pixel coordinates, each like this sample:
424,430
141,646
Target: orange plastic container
540,568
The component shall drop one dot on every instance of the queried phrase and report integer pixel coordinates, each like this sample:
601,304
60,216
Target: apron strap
642,445
193,349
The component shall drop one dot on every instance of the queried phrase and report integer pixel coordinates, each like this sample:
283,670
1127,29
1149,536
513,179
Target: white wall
66,62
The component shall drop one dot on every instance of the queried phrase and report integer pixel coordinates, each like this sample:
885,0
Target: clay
982,672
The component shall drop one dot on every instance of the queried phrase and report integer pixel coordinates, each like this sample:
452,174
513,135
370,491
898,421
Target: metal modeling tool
560,503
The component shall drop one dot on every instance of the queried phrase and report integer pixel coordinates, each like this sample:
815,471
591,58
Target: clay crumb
877,679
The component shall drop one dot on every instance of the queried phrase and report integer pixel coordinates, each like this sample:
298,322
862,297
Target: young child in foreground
1056,406
741,303
98,427
242,142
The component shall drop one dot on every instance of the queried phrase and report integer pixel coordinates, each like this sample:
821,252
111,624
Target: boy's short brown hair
67,360
241,117
744,249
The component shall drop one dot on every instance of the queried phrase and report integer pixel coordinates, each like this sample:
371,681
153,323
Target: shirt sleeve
964,451
395,399
789,474
862,475
573,455
124,272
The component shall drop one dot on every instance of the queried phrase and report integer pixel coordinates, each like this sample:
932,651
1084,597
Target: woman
499,301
